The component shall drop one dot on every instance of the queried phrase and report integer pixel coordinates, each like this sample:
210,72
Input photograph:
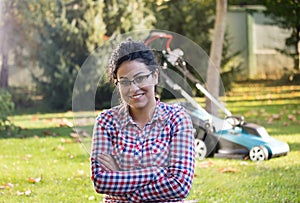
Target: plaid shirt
157,162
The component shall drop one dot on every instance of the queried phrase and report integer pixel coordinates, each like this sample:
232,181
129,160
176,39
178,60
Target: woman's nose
133,87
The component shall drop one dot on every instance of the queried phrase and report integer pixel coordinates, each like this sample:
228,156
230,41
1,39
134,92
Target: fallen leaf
66,122
80,172
35,180
20,193
270,120
292,117
78,140
27,193
285,124
47,132
206,164
27,157
6,185
85,134
82,133
61,148
50,133
276,117
63,140
244,163
35,118
228,170
74,135
91,198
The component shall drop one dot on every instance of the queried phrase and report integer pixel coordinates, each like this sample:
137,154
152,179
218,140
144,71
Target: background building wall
254,35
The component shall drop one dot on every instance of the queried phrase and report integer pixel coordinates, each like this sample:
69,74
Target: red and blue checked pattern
157,162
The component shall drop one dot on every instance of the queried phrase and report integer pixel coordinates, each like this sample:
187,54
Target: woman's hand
108,162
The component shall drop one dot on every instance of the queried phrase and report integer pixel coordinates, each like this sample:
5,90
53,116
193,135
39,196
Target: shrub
6,109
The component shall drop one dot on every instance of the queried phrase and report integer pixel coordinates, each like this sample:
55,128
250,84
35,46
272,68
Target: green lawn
43,163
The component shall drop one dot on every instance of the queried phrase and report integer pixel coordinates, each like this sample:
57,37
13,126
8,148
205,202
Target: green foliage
60,35
6,109
104,95
69,31
67,35
6,104
193,19
244,2
22,97
126,16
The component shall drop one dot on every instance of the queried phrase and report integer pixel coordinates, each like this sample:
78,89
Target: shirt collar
160,111
124,115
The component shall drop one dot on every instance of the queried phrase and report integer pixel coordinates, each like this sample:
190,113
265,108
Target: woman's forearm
123,182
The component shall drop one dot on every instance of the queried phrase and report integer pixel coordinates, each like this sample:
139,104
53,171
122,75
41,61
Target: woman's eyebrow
125,77
139,73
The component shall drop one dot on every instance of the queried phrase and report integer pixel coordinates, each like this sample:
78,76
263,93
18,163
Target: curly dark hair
130,50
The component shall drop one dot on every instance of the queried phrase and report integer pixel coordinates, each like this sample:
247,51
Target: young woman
143,149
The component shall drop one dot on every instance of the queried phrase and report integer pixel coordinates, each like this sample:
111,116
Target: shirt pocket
123,153
157,154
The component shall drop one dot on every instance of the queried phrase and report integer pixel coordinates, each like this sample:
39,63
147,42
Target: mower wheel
259,153
200,149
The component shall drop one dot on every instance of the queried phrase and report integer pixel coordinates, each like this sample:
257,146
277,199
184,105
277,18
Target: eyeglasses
139,80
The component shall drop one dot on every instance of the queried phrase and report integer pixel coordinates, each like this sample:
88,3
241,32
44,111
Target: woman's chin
138,105
138,102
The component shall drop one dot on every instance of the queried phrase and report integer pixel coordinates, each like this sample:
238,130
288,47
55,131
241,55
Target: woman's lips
137,96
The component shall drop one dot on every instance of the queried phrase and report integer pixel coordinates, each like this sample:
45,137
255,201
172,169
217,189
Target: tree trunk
4,59
213,71
4,47
297,60
4,72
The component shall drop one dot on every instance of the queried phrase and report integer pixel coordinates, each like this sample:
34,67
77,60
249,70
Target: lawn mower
228,137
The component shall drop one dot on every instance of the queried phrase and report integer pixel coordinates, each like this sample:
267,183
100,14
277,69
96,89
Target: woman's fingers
105,157
104,160
106,168
108,162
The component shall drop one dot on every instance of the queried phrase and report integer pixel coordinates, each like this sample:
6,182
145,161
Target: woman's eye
124,82
139,79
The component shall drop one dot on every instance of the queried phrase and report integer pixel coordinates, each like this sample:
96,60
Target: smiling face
140,94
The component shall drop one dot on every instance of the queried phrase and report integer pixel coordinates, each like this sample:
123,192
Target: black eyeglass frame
127,83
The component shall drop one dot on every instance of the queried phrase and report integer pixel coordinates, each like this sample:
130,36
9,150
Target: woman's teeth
137,96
